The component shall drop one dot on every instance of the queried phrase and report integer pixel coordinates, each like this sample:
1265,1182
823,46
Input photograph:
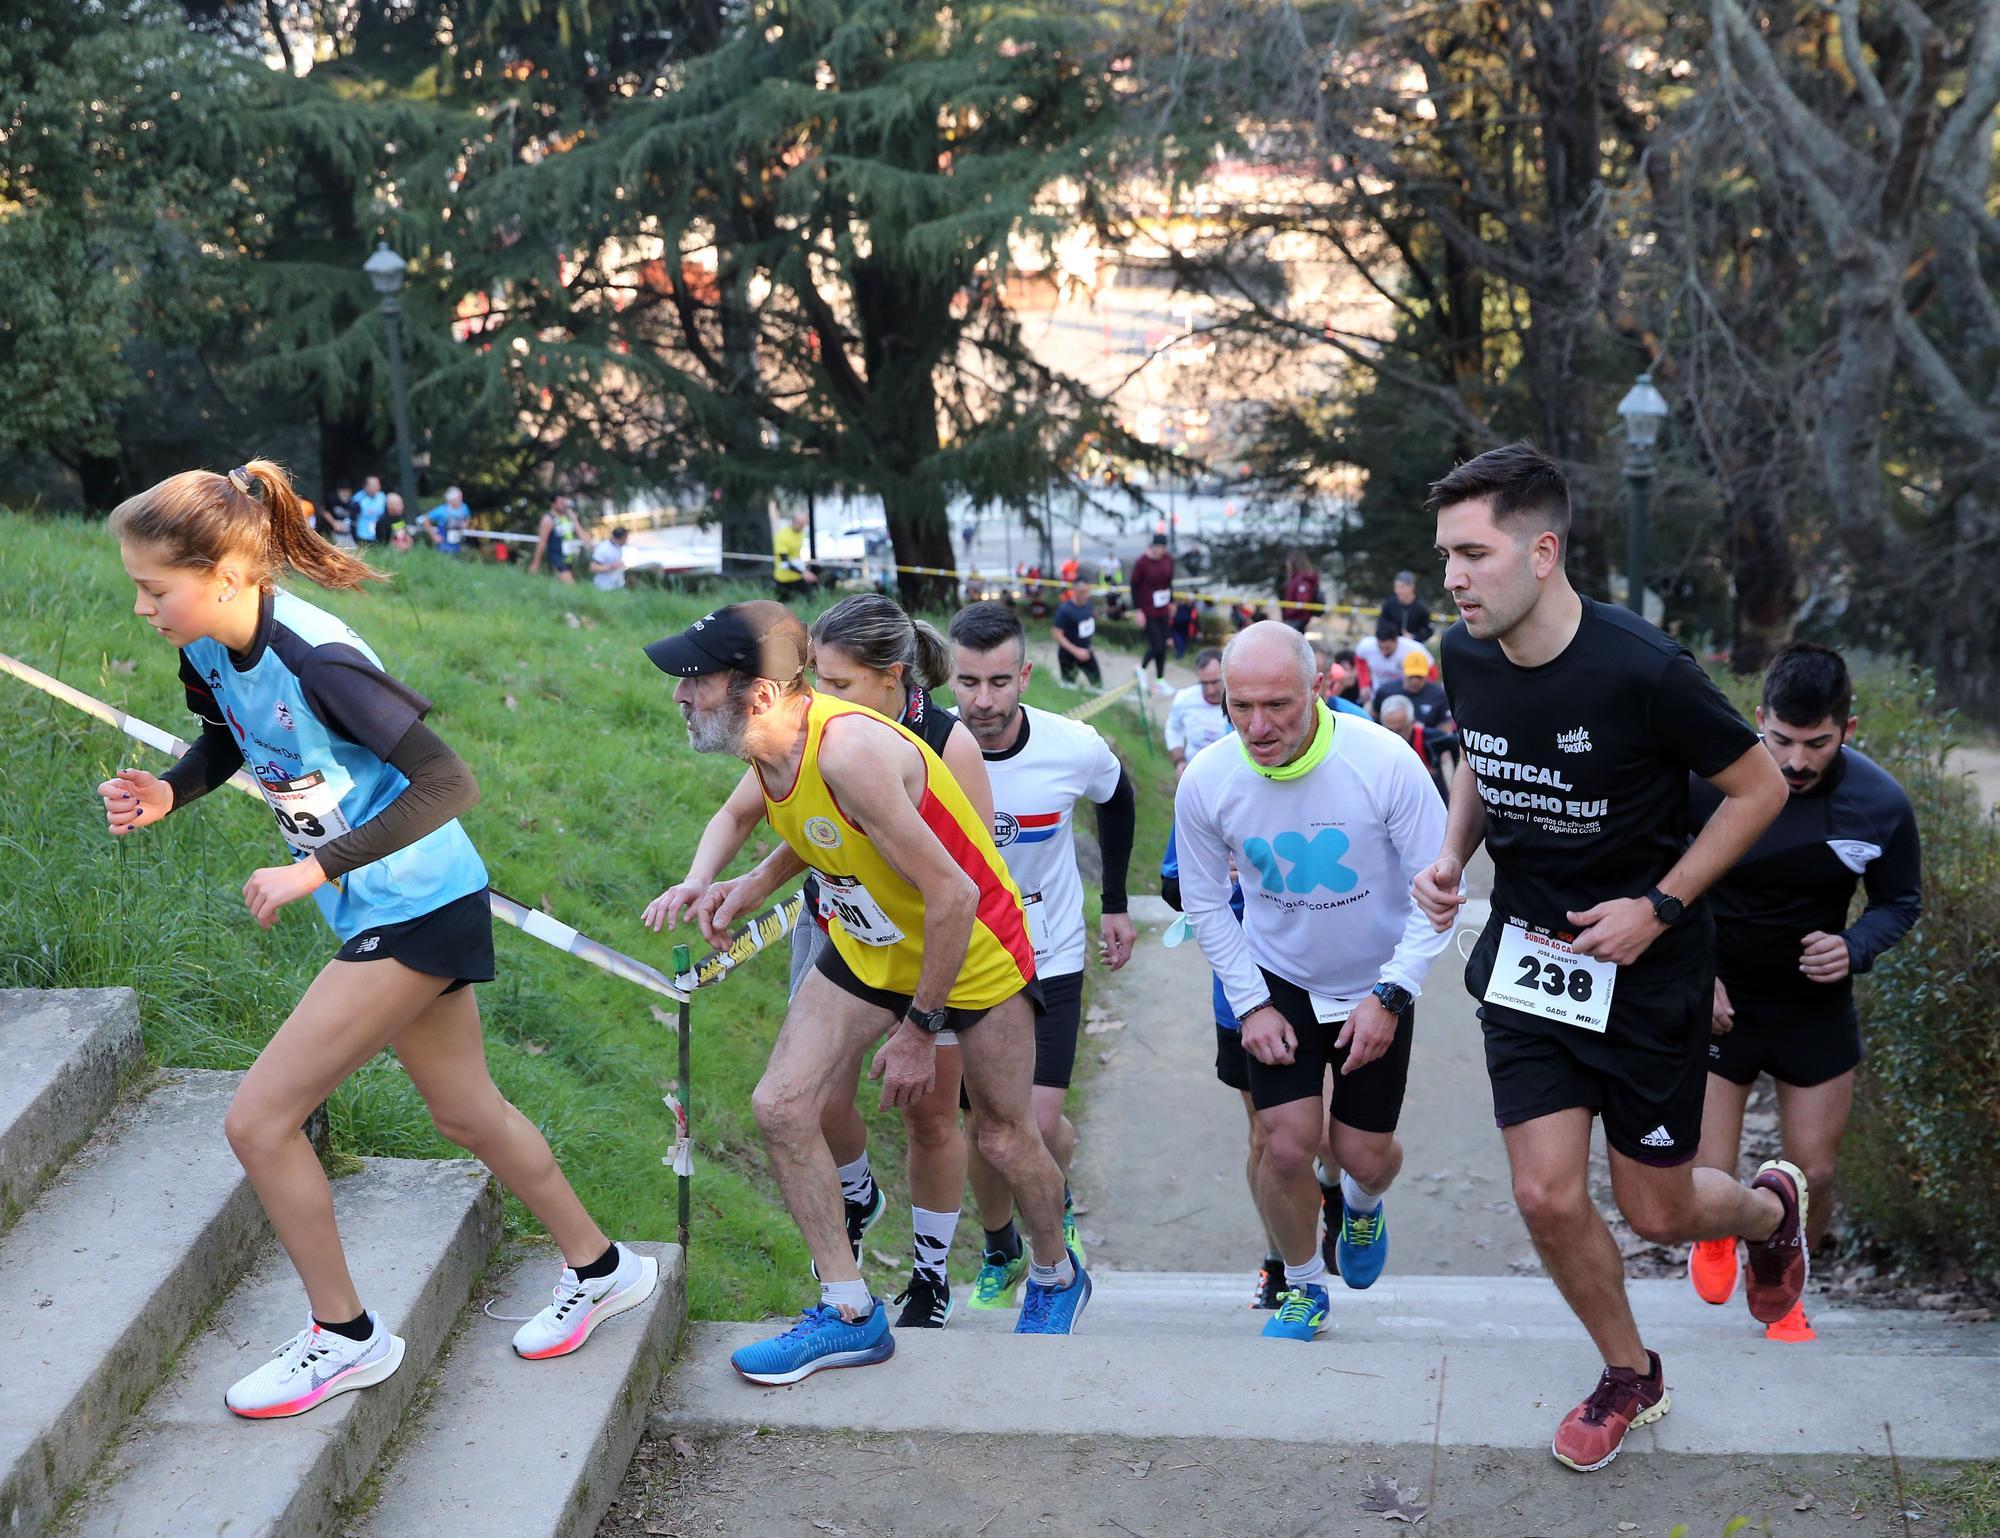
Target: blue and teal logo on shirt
1315,862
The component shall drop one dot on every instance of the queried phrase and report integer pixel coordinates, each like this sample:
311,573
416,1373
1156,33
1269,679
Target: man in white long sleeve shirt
1195,718
1328,820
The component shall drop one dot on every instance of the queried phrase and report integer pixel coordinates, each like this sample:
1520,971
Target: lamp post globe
1643,411
385,271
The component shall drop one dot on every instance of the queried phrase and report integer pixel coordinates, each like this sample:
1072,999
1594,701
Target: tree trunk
920,534
745,515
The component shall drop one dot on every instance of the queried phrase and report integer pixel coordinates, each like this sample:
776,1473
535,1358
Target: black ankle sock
360,1327
604,1265
1004,1242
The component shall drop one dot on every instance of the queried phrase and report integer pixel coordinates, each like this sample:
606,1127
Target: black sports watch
929,1021
1394,996
1668,910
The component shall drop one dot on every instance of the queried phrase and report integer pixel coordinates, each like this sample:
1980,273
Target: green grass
591,802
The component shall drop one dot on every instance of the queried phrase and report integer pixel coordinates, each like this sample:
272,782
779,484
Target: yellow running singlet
876,918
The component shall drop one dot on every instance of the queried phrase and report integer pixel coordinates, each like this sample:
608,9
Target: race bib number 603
1537,972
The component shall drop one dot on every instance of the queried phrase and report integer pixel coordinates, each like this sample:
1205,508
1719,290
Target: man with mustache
1581,724
927,934
1785,955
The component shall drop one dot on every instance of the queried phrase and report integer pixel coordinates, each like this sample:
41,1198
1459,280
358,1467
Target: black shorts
1232,1063
1369,1100
557,554
834,968
1644,1074
454,941
1056,1026
1793,1043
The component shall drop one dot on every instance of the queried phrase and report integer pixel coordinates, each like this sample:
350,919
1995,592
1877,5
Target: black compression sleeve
209,763
1117,822
440,788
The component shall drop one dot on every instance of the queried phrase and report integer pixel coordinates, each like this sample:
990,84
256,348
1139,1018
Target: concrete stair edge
515,1449
65,1055
146,1150
418,1235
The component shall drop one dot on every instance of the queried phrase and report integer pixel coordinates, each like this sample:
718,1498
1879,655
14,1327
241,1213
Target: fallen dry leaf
120,665
657,1528
1103,1027
1804,1503
1394,1503
572,621
510,702
882,1258
533,1048
680,1446
830,1527
1628,1527
1139,1468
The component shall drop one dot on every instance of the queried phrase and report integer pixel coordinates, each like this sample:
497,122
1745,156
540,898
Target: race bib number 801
1538,973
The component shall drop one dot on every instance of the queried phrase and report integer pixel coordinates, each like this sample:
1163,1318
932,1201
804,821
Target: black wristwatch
1394,996
1668,910
929,1021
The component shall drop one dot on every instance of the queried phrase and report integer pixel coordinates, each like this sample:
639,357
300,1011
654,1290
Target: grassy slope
591,801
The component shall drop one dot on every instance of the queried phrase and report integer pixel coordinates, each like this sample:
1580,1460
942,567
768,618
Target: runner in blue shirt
367,799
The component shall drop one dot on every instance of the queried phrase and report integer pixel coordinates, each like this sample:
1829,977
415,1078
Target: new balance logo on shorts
1659,1137
372,941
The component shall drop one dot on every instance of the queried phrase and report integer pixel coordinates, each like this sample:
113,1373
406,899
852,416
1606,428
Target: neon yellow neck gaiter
1306,762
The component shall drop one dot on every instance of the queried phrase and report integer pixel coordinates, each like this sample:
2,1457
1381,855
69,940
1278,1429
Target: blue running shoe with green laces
818,1338
1364,1245
998,1277
1301,1314
1054,1310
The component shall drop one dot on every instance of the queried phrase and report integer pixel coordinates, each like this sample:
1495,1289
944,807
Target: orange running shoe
1591,1434
1792,1327
1779,1264
1712,1269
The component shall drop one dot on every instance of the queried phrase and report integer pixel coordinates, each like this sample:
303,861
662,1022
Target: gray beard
720,731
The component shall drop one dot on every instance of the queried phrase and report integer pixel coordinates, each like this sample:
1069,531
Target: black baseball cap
761,638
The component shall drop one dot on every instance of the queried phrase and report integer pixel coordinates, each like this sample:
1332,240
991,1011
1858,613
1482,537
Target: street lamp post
1643,410
385,270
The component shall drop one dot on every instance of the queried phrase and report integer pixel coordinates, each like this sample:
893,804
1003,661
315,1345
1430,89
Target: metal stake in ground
681,962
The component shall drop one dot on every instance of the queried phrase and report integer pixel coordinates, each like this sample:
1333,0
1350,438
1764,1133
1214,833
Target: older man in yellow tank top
927,935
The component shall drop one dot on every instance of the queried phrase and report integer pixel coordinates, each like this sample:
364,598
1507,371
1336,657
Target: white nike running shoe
580,1307
312,1367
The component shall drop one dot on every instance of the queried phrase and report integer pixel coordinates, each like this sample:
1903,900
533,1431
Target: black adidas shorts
1369,1100
454,941
1645,1075
1794,1044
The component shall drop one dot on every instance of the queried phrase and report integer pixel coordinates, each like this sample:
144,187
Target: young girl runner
367,799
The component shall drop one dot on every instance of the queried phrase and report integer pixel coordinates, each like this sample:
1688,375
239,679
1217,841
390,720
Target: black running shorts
1056,1026
1645,1074
1800,1047
1369,1100
835,970
455,941
1232,1063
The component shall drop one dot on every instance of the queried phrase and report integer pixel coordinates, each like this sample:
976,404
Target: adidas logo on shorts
1659,1137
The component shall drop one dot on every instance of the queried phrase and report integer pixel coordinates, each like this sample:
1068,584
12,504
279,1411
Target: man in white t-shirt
1386,657
607,562
1040,765
1328,820
1195,718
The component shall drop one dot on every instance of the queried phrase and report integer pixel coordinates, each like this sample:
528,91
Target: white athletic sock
1320,1174
853,1295
857,1180
1058,1276
1311,1274
931,1235
1357,1196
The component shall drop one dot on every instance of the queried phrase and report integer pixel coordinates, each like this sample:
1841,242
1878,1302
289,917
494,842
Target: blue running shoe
819,1338
1054,1310
1363,1246
1300,1316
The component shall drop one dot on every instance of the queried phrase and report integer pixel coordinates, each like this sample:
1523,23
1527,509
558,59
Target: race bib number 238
1537,973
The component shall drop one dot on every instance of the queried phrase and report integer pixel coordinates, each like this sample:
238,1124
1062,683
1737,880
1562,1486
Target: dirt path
1161,1143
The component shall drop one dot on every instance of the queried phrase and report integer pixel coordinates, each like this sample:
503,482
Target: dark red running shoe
1775,1278
1591,1434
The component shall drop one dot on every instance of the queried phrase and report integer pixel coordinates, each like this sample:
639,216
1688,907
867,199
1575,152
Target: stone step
63,1056
1141,1368
418,1232
103,1278
513,1449
1483,1310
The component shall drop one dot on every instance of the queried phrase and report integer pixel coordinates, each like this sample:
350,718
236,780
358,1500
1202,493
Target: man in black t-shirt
1580,725
1785,955
1075,628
